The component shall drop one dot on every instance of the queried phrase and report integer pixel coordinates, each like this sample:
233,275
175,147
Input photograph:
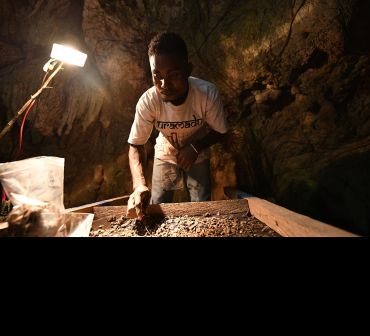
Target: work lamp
68,55
60,54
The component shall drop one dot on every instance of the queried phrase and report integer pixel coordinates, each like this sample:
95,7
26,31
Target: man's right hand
138,202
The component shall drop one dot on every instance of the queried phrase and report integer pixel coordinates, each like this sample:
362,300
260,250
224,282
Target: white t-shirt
176,124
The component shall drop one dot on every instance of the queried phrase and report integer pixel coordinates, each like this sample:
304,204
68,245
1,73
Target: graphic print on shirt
185,130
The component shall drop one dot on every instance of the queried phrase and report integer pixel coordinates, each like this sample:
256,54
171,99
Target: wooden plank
88,208
291,224
179,209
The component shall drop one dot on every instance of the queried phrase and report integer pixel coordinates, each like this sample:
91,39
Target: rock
268,96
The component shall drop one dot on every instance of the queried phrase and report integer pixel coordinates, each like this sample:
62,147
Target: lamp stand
9,125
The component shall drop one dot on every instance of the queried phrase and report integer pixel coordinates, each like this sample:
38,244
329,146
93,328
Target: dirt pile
236,225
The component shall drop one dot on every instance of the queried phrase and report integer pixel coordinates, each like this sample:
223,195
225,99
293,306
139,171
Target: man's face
170,76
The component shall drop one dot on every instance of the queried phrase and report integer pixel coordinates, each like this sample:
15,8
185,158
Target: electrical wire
21,130
25,117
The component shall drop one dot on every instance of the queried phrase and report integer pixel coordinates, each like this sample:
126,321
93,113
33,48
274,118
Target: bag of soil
35,188
36,221
34,181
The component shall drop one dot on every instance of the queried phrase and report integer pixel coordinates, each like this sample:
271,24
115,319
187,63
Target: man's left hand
186,157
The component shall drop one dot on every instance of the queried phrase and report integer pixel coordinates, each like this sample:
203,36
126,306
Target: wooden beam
291,224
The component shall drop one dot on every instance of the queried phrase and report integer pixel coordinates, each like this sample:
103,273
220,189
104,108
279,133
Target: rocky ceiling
294,76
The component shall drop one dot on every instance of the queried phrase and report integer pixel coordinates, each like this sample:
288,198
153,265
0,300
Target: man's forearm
210,139
137,161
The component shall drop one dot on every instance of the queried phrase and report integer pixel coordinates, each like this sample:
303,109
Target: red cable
24,119
3,195
21,130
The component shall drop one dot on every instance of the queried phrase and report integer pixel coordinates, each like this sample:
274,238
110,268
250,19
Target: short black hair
168,43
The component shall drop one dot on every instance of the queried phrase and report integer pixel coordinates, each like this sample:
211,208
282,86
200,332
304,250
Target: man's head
168,57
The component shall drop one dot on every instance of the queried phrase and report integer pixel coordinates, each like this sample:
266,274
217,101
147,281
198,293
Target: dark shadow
357,38
340,196
317,59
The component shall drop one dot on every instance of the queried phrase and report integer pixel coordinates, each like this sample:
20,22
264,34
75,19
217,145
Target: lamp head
68,55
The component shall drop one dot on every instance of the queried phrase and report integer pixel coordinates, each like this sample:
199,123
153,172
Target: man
189,115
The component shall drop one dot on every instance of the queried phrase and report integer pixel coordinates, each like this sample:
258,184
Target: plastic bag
76,225
35,188
36,221
34,181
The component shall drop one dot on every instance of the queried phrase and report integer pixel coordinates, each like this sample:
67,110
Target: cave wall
294,77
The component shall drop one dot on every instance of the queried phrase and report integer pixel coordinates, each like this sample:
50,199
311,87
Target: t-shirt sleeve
215,114
142,126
